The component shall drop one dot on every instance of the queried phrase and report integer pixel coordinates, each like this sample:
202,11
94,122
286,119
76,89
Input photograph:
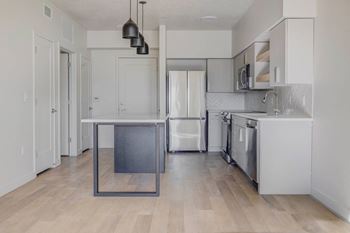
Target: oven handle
240,77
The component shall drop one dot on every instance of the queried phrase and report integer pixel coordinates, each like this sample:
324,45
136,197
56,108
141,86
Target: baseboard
337,208
214,149
16,183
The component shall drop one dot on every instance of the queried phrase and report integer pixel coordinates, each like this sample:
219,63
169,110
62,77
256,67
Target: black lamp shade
143,50
130,30
137,42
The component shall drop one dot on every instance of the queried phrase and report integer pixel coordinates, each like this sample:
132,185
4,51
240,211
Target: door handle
53,110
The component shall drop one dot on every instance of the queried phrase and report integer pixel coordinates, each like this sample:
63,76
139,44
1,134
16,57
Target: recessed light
209,17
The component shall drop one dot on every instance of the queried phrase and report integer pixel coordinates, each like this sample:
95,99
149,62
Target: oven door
224,130
226,136
243,78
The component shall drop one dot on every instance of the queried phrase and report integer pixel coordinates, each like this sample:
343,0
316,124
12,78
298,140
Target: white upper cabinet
291,52
220,75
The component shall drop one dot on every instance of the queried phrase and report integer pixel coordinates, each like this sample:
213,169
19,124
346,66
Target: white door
44,104
64,102
86,107
137,79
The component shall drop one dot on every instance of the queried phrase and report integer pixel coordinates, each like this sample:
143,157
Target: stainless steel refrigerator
187,111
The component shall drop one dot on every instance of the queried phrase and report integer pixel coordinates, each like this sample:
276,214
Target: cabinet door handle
240,135
277,75
246,139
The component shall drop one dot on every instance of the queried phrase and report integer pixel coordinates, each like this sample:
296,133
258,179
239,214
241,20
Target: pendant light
144,50
130,29
139,41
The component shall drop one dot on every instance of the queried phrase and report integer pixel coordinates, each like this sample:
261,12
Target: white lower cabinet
284,156
214,132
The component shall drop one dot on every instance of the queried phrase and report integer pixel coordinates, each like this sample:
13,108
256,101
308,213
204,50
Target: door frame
75,58
88,61
73,95
35,36
62,50
118,58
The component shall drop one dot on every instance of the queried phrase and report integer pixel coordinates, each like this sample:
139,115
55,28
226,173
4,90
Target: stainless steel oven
243,78
226,136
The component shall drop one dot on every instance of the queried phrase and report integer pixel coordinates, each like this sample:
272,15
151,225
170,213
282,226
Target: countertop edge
295,118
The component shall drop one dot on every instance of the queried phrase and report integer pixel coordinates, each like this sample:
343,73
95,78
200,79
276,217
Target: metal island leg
98,193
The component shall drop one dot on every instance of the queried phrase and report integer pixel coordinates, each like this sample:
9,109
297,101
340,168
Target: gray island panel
134,149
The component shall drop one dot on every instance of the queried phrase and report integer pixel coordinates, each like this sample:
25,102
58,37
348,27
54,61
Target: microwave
243,78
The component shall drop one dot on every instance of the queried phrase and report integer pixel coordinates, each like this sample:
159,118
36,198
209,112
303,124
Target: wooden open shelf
263,57
263,78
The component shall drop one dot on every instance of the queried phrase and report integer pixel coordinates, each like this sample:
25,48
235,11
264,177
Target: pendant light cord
137,12
130,9
142,18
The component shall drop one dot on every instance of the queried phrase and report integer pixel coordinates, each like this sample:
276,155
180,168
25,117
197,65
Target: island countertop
127,118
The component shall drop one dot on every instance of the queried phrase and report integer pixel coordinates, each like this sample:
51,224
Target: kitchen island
134,135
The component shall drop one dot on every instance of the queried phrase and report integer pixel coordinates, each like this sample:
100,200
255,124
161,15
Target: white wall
265,14
18,20
199,44
105,86
331,156
260,17
114,40
162,69
299,8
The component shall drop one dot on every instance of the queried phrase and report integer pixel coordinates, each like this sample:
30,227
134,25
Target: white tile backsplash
225,101
293,99
253,101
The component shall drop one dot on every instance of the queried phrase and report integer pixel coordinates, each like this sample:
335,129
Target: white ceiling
176,14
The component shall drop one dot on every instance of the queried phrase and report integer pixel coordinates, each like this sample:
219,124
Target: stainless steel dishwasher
251,149
245,146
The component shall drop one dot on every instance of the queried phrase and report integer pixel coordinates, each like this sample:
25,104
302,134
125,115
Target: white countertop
127,118
266,117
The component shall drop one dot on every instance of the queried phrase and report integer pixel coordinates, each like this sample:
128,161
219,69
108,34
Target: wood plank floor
199,193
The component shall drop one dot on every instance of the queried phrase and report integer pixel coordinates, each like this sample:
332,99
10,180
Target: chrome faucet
264,100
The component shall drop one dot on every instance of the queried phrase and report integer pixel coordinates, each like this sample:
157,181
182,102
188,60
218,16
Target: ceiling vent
47,11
